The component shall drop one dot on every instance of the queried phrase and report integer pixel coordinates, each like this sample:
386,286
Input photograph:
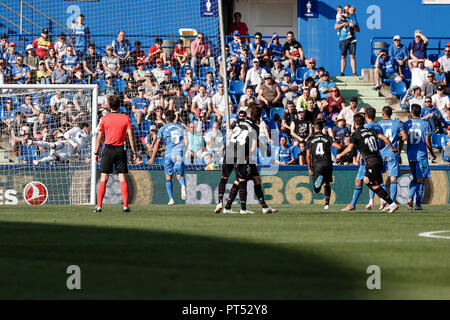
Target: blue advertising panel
309,9
208,8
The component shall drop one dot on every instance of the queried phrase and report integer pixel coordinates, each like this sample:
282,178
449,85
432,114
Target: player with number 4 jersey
174,137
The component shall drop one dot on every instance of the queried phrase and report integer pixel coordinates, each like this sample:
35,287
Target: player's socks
260,195
169,188
356,194
383,195
419,193
393,190
221,189
243,194
232,195
182,181
327,193
124,190
412,189
372,194
101,193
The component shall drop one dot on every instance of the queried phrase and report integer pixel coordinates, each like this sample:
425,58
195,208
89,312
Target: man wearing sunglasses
445,64
201,53
385,68
398,51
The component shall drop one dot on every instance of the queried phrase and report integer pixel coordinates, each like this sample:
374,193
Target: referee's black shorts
114,155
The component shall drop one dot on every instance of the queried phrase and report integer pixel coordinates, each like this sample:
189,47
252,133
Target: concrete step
347,92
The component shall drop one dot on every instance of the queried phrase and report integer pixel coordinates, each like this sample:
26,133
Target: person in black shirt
366,140
294,52
92,63
318,158
289,115
300,128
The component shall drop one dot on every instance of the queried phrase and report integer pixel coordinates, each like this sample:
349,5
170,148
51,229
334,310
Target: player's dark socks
260,195
243,194
383,195
327,192
221,189
419,193
101,193
317,190
232,195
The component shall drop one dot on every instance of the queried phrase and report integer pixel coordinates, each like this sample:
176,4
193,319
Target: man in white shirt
201,102
445,65
348,112
419,74
58,103
219,104
158,72
440,100
214,142
254,75
61,45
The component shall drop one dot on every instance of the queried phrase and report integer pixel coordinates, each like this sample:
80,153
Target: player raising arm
115,127
366,140
419,139
318,158
174,136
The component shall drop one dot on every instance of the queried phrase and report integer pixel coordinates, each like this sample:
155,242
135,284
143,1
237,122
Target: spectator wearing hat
417,97
269,94
109,89
276,50
158,72
3,44
419,74
180,57
137,54
350,111
140,72
325,85
129,92
62,44
139,105
168,85
112,65
293,51
246,61
122,49
289,115
42,44
277,70
10,55
21,73
417,49
254,75
239,26
236,45
441,100
92,64
81,35
247,98
31,60
301,129
445,63
42,75
439,76
150,140
201,53
398,51
156,52
386,68
289,88
259,49
340,130
429,87
311,71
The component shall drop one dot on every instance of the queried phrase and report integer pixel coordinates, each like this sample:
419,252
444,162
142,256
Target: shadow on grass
127,263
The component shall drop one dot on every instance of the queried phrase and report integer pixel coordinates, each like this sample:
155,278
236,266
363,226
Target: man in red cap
312,71
168,85
158,72
42,44
439,76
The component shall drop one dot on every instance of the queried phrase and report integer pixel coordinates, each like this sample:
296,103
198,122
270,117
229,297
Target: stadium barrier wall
291,185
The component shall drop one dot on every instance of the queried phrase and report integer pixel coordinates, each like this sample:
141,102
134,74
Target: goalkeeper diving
67,145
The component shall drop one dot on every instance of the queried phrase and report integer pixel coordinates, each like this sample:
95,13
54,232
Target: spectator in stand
21,72
386,68
325,85
334,103
276,50
293,51
439,76
11,54
140,72
201,103
350,111
122,49
137,54
51,60
5,73
284,155
302,154
109,89
269,94
311,110
246,61
17,135
3,44
419,74
168,87
81,102
309,83
289,89
7,116
446,123
239,26
445,64
441,100
112,64
81,35
139,106
129,92
219,103
148,84
347,39
60,75
196,144
29,110
215,142
42,44
31,60
301,129
247,98
432,115
230,65
417,97
189,84
429,87
42,75
350,158
156,52
150,140
61,45
201,53
92,64
418,49
289,115
302,100
259,49
58,104
210,84
235,46
71,60
158,120
181,105
157,101
158,72
180,55
254,75
277,70
311,71
341,130
398,51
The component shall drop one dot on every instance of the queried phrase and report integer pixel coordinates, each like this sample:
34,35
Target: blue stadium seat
289,70
145,126
373,59
183,71
407,73
272,124
264,115
397,88
300,72
278,111
120,84
129,69
28,153
296,152
202,73
438,140
433,57
236,87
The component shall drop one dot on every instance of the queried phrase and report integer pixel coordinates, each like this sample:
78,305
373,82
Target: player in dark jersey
366,140
318,158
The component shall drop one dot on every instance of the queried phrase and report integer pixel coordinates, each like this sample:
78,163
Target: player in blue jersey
419,139
393,130
80,35
174,136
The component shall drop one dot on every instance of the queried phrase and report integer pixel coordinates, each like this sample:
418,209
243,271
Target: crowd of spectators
190,82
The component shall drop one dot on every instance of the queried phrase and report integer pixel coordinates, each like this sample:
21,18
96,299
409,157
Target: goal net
47,138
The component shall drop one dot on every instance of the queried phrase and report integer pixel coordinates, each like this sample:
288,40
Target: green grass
186,252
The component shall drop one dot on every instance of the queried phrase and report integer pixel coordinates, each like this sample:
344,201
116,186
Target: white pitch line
432,234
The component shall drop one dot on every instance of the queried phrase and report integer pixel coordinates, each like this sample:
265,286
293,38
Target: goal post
46,114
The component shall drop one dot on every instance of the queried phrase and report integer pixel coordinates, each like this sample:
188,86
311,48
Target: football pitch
187,252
